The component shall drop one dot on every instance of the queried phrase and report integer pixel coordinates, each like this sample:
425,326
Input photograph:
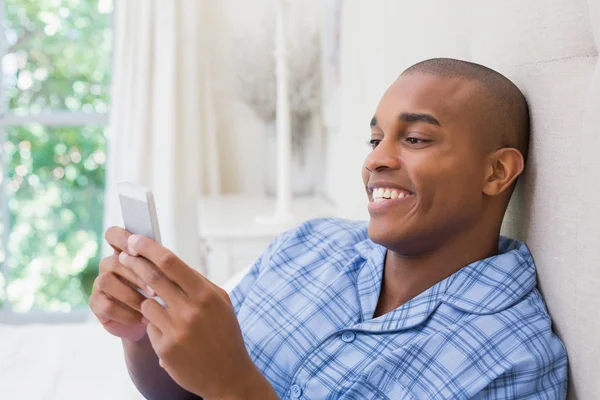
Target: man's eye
412,140
373,143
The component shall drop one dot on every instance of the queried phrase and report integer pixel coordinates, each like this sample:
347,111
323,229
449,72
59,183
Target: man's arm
196,337
117,305
148,376
154,382
142,362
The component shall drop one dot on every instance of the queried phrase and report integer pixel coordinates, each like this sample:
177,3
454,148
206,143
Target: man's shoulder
337,226
505,354
522,333
530,357
323,242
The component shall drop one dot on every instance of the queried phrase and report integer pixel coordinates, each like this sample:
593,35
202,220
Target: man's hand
114,299
197,336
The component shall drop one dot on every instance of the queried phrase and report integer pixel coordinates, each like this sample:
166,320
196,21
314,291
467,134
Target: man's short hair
507,112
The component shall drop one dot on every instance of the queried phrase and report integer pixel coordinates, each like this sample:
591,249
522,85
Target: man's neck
404,277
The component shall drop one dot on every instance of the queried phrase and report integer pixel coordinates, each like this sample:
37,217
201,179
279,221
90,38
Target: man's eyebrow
415,117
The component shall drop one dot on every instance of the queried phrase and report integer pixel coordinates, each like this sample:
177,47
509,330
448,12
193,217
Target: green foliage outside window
57,60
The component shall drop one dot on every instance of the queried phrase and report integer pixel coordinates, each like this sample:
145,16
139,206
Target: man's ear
503,167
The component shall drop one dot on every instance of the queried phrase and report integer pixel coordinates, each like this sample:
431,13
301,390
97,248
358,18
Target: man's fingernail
131,242
123,257
151,291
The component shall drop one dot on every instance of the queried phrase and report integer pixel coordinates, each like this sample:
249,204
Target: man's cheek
438,196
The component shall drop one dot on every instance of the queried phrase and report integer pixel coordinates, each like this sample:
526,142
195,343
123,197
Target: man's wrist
253,386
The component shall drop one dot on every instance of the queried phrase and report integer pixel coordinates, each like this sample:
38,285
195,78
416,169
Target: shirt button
348,336
296,391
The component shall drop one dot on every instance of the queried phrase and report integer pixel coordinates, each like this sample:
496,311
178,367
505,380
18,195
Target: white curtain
162,129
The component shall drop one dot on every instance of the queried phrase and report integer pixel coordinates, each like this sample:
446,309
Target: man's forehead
417,92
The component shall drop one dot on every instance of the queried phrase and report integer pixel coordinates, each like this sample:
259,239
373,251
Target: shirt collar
495,283
483,287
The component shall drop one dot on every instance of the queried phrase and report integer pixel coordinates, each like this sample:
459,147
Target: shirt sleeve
246,284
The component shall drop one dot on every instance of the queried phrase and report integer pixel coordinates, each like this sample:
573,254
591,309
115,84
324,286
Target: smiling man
426,301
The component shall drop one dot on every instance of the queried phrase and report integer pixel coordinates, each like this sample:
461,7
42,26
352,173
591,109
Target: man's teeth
381,194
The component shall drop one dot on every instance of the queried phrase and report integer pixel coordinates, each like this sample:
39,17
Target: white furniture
231,238
550,49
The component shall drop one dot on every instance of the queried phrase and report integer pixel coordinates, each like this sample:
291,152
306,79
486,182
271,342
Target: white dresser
231,239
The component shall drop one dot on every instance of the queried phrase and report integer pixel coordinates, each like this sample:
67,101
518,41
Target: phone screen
136,217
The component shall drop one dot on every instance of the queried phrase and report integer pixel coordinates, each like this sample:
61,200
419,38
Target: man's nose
384,156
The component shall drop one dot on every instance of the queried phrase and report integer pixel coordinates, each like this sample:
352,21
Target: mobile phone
139,215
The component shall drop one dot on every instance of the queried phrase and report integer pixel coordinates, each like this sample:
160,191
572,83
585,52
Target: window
54,110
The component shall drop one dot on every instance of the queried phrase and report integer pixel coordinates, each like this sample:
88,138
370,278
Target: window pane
56,185
57,55
2,250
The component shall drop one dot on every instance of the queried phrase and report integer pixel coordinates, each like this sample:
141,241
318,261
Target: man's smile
383,195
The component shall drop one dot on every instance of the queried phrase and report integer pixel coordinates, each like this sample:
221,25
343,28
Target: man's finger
155,336
156,314
184,276
153,277
112,286
117,238
106,309
127,276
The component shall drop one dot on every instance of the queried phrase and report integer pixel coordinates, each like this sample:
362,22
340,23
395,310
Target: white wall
239,25
241,139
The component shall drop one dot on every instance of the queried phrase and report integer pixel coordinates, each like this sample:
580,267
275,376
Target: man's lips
385,185
382,205
384,195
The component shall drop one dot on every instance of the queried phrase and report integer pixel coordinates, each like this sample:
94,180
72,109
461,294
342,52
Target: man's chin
397,237
385,233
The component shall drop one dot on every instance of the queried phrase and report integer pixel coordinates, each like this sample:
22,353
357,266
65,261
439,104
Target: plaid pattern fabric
306,312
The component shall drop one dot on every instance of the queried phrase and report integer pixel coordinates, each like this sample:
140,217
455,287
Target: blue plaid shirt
306,312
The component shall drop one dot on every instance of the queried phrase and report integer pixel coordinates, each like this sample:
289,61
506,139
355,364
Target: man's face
429,151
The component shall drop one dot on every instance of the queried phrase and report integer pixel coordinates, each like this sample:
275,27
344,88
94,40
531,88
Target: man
426,302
